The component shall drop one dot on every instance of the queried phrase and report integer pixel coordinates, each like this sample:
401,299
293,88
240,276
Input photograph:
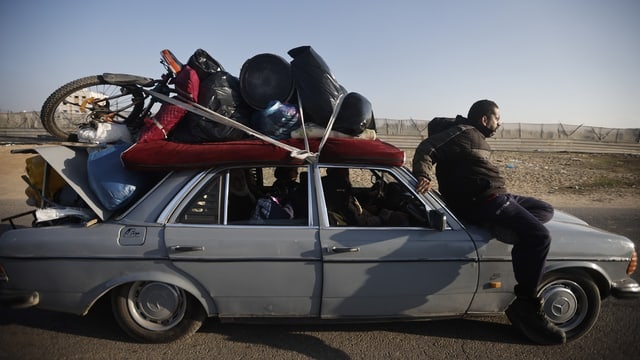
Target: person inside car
286,182
345,209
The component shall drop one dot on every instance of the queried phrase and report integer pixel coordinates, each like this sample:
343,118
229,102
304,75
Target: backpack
439,124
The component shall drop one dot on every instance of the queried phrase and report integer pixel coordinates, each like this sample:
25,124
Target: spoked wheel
89,99
156,312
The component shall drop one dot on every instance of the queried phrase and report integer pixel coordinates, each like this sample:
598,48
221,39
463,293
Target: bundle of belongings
285,101
95,172
267,97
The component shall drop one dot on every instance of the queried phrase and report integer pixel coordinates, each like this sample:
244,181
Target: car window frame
393,172
187,195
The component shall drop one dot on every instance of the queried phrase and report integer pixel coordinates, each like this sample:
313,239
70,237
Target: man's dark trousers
525,216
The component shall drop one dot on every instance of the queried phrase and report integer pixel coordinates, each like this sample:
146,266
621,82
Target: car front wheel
571,301
156,312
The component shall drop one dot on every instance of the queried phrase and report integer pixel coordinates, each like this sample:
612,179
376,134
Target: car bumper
17,299
626,289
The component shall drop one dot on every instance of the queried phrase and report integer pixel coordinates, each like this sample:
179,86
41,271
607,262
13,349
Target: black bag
204,64
355,115
265,78
316,86
219,92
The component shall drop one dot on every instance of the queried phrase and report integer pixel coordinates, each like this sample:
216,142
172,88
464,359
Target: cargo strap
327,130
159,126
214,116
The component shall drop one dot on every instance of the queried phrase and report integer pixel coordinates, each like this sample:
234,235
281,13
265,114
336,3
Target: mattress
167,155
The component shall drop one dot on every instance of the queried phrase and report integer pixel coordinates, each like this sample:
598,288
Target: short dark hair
481,108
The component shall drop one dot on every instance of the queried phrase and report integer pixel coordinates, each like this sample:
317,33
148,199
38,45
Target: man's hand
424,185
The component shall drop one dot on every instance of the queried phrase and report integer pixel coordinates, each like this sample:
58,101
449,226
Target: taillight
3,274
633,264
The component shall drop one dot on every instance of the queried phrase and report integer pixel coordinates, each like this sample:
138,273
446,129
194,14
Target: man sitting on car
474,188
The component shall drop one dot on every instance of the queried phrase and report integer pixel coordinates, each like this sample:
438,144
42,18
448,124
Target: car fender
597,273
195,289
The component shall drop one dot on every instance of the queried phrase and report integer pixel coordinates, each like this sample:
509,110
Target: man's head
485,116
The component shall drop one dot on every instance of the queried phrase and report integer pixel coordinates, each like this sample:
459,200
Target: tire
156,312
63,112
571,301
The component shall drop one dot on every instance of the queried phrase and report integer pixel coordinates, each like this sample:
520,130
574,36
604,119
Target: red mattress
166,155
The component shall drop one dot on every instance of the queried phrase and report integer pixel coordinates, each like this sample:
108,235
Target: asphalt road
38,334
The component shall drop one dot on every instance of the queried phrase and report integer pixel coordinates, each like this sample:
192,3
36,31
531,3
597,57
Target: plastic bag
112,184
277,120
56,213
204,64
220,92
317,87
355,115
104,133
266,77
317,131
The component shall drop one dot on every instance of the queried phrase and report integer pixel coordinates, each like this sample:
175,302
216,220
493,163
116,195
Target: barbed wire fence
407,133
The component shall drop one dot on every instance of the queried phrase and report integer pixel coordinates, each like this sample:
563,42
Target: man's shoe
526,314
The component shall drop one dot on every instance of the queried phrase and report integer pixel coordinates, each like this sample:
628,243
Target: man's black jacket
461,156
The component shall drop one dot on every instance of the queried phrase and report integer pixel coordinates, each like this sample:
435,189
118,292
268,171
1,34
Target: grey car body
174,257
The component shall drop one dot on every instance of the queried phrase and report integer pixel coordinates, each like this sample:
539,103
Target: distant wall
408,133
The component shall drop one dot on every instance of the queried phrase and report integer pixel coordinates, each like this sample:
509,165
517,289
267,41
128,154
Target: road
38,334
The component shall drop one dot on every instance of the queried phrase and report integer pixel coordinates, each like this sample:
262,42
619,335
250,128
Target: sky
573,62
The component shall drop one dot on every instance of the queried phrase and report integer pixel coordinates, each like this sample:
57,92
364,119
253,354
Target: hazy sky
544,61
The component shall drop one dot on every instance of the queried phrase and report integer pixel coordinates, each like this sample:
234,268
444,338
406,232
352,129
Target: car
345,238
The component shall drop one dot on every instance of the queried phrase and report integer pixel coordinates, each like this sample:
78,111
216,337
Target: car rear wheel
156,312
571,301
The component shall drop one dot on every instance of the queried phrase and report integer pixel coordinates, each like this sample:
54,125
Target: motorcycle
116,98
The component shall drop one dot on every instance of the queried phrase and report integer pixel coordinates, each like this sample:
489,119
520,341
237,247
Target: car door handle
336,249
182,248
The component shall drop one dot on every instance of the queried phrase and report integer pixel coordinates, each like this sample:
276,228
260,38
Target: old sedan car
266,239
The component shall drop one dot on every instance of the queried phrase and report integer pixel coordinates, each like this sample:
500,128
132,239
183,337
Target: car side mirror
437,220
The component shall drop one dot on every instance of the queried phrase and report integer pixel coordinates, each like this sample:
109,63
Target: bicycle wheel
89,99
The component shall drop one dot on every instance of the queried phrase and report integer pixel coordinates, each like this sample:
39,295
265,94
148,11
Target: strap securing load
303,154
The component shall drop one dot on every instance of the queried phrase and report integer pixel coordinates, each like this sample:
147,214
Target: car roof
163,156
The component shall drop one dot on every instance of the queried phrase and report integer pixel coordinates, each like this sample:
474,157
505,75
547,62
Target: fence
406,134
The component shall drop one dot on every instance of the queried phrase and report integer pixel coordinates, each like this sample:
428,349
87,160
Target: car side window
205,207
255,196
283,196
369,197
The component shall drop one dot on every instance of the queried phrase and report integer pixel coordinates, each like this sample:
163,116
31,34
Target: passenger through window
255,196
369,197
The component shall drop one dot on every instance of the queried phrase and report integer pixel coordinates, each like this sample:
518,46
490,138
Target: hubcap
156,306
565,303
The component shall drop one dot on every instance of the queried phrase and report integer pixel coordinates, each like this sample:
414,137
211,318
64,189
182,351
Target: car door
393,271
248,268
